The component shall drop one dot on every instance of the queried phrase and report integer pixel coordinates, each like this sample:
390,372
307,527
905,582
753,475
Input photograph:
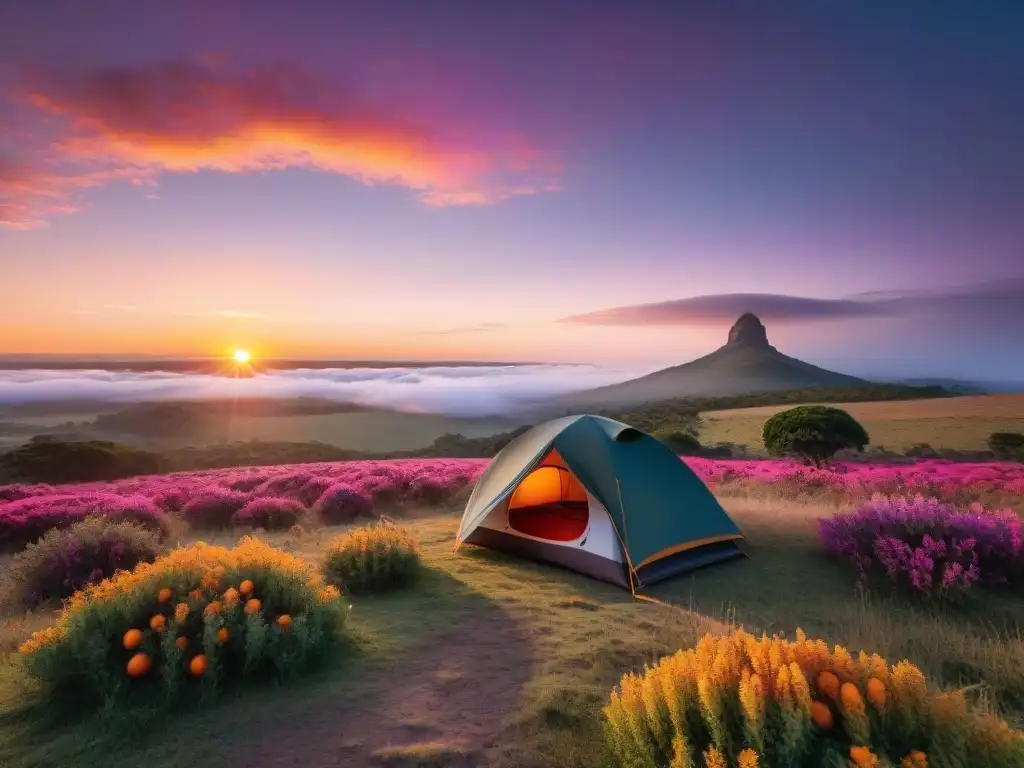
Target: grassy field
959,423
494,661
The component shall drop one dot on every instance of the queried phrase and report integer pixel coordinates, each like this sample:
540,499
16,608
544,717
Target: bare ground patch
443,706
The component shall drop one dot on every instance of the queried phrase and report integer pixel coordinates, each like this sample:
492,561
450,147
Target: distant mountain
747,363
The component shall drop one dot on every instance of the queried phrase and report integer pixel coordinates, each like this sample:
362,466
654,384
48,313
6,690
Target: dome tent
599,497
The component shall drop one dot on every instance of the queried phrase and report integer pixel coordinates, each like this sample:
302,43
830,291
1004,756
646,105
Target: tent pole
625,543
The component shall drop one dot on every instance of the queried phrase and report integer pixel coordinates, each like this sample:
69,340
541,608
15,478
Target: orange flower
713,758
284,621
195,594
157,623
164,595
246,587
230,596
132,639
876,693
182,643
850,697
915,759
748,759
253,606
821,715
139,664
212,609
181,611
222,635
864,758
828,684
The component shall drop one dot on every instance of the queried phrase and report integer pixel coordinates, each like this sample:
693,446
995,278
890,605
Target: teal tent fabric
658,506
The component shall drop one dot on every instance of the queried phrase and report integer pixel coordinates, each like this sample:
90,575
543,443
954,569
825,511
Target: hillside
747,363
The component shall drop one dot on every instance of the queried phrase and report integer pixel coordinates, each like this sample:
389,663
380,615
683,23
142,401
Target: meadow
490,660
957,423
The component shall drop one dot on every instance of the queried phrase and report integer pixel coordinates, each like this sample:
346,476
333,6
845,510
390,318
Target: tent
597,496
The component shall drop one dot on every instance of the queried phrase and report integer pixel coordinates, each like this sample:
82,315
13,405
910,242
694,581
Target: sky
597,182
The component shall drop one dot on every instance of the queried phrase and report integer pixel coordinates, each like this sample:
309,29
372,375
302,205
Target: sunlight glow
241,356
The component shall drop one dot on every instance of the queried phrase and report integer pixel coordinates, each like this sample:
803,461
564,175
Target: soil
444,706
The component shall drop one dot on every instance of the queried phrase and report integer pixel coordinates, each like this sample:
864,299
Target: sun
242,356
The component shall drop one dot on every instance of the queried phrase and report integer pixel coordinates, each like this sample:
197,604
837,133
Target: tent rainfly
599,497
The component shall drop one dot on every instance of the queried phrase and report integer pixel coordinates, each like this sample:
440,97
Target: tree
814,432
1007,445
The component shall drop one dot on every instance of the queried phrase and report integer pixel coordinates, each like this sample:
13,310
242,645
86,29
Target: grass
493,660
957,423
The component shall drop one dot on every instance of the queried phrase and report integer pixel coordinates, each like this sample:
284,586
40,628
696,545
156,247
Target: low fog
465,391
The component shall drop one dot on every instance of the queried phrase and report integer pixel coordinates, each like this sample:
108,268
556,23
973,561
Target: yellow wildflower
713,759
181,611
748,759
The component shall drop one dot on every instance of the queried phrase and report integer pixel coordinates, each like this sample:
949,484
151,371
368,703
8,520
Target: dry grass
482,627
959,423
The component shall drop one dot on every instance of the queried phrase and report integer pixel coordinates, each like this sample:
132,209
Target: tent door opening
550,503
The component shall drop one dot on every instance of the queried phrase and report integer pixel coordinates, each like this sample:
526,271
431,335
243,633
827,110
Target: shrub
59,461
682,443
26,520
373,558
1007,445
342,503
770,703
927,546
272,514
310,493
65,560
198,619
814,432
213,508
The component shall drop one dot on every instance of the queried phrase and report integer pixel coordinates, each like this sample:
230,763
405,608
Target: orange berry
157,623
182,643
821,715
253,606
246,587
212,609
197,667
284,621
222,635
164,595
230,595
876,693
139,664
132,639
828,684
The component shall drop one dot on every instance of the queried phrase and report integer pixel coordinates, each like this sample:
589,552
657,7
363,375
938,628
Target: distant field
372,431
959,423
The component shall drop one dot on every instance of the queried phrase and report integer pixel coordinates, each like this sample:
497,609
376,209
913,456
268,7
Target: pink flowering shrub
313,489
926,545
342,503
27,519
66,560
272,514
213,508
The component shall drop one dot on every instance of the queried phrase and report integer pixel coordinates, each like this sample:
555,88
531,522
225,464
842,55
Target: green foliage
252,612
1008,446
814,432
373,558
66,560
60,461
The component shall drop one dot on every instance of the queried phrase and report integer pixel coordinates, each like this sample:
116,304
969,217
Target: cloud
455,390
996,298
185,116
478,328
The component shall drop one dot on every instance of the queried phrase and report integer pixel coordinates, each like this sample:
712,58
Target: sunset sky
510,180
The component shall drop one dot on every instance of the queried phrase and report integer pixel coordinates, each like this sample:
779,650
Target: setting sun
241,356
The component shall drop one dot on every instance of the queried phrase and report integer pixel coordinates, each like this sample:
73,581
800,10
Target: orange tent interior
549,503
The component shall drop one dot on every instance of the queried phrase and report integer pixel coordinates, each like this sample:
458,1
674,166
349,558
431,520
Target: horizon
588,185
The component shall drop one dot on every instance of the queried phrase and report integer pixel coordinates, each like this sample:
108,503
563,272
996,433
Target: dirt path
442,706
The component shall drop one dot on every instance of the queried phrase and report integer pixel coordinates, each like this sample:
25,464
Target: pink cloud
183,117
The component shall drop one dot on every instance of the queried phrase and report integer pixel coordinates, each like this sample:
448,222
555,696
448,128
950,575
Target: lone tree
814,432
